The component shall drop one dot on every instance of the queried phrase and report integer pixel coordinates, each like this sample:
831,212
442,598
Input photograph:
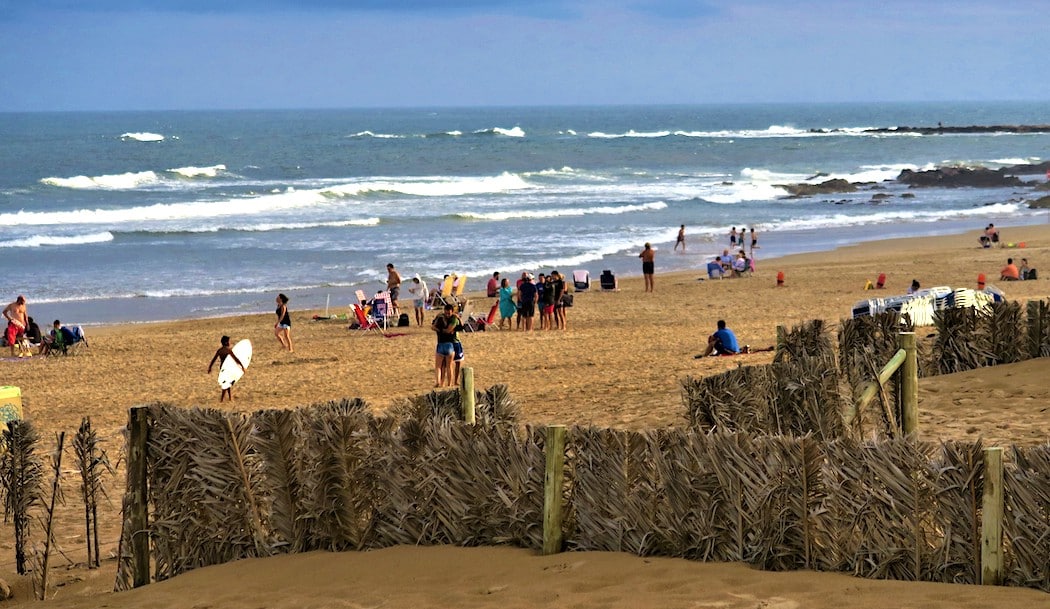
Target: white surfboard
230,372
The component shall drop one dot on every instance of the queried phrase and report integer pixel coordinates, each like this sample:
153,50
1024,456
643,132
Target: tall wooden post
466,394
553,481
909,385
992,518
138,518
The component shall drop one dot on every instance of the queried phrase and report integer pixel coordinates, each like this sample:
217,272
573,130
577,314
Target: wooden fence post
992,518
909,385
553,481
138,518
466,394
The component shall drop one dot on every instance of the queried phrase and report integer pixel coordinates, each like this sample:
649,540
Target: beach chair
442,297
382,309
365,322
608,281
473,322
361,298
458,286
581,280
69,340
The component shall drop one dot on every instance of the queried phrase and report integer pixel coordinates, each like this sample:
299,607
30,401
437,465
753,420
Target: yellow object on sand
868,285
10,404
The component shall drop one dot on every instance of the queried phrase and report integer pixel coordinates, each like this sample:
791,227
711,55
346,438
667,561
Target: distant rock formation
957,177
1040,203
826,187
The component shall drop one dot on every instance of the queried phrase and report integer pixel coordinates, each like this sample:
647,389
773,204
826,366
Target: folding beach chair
382,309
361,298
458,286
69,340
444,296
608,281
581,280
365,322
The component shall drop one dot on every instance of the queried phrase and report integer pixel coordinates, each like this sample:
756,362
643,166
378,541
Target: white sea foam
432,186
199,172
380,136
143,136
512,132
274,226
45,240
169,211
560,213
630,133
896,215
123,181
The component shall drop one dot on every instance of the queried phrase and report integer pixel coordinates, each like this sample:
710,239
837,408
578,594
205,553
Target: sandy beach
618,364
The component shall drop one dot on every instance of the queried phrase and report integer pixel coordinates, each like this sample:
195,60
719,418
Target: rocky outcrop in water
958,177
826,187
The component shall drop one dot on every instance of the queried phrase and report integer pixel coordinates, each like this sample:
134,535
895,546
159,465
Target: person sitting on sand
914,286
1009,272
722,342
714,268
1026,273
221,354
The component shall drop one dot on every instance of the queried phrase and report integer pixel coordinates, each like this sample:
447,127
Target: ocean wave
123,181
513,132
559,213
842,220
143,136
260,227
379,136
432,186
630,133
199,172
46,240
454,133
167,212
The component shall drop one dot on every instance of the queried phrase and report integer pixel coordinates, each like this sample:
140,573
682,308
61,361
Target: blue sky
192,54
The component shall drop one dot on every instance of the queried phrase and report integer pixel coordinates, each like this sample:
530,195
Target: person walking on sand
648,257
17,322
393,286
283,328
221,354
419,293
681,239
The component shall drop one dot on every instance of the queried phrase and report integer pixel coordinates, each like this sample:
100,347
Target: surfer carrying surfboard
221,354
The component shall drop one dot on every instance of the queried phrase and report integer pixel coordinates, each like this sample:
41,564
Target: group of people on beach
22,333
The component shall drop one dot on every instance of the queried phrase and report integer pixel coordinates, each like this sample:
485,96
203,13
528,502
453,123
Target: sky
63,55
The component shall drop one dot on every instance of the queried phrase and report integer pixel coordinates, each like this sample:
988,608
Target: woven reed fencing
223,486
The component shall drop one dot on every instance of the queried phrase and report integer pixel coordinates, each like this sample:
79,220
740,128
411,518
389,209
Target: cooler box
10,404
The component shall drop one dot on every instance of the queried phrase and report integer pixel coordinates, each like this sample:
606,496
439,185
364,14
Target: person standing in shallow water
681,238
283,328
648,257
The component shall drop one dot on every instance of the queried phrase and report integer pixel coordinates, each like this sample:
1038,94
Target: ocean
143,216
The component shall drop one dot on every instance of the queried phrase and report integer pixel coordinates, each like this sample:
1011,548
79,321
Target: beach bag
402,321
566,300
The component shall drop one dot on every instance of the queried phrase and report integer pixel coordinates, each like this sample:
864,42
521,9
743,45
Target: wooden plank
553,482
909,385
138,518
992,518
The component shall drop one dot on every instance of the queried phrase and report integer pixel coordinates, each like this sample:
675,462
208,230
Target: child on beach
221,354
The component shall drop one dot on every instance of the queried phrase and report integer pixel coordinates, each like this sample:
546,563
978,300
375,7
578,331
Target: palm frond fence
219,486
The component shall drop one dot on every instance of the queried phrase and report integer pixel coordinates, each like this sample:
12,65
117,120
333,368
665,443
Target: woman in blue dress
507,306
